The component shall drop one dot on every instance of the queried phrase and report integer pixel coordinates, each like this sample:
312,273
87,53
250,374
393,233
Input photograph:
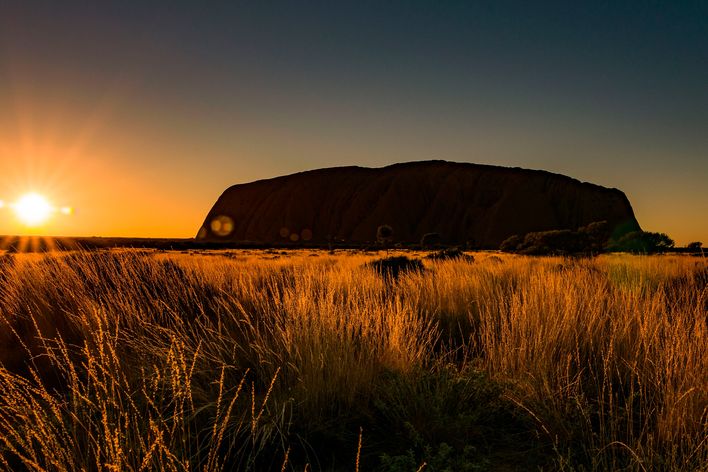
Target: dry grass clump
228,361
395,266
450,254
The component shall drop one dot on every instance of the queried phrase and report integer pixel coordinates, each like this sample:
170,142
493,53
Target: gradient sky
139,116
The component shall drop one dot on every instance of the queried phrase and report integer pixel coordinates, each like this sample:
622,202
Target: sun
33,209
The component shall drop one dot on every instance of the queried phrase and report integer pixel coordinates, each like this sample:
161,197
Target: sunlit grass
251,359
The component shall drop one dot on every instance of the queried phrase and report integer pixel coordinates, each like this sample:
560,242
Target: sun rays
33,211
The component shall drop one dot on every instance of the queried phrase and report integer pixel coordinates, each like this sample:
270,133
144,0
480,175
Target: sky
140,114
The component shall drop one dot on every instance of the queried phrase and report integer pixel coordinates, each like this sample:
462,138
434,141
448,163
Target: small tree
694,246
430,239
384,234
661,241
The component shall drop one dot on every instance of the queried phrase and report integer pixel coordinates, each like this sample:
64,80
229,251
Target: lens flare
222,225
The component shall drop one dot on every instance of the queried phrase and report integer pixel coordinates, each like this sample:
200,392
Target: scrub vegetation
307,360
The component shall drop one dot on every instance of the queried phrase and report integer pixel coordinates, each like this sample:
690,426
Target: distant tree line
595,238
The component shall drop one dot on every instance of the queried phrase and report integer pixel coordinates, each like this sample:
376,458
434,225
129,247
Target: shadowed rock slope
473,204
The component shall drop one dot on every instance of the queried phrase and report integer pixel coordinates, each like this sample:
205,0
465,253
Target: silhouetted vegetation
587,240
384,234
511,243
592,239
430,240
694,246
394,266
558,242
450,254
643,242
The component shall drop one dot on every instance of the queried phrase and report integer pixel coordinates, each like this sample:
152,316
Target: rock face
472,204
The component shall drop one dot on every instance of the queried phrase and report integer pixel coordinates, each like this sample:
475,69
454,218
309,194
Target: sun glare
33,209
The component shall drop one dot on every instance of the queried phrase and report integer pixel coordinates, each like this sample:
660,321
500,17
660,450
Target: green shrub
450,418
643,242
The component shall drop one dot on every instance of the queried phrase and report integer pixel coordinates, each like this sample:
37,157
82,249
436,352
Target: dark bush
430,240
511,243
450,254
643,242
594,237
587,240
396,265
557,242
694,246
384,234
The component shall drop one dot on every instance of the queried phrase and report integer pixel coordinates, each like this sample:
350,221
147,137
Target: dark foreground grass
253,361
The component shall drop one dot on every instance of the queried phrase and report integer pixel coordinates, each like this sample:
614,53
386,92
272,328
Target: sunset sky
139,116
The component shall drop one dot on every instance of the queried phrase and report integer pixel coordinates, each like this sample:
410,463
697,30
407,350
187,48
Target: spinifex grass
251,360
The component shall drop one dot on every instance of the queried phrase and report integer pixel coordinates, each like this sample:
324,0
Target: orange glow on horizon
135,179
